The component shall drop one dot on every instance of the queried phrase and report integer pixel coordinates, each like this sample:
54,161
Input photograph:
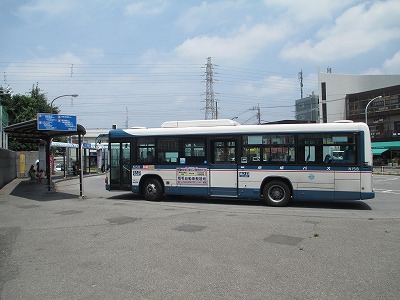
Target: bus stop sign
56,122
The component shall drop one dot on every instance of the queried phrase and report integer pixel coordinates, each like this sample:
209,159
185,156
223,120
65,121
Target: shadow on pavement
188,199
348,205
324,204
39,192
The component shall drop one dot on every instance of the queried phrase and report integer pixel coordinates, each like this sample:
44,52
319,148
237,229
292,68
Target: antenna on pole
127,117
301,83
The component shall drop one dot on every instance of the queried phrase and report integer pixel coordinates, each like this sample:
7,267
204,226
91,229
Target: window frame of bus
144,144
266,145
168,150
324,145
225,147
297,148
178,155
194,144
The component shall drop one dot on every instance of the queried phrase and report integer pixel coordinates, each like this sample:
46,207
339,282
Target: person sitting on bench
41,175
32,173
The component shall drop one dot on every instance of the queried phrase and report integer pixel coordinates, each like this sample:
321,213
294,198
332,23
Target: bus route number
355,169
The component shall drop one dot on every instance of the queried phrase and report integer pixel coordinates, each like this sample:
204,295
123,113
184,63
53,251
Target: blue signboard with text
56,122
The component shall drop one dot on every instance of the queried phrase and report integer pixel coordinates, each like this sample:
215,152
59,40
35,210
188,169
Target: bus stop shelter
29,132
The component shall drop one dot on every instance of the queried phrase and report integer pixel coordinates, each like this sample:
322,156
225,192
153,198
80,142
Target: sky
143,62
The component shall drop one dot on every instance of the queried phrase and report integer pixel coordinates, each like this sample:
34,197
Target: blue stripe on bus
306,168
365,196
255,193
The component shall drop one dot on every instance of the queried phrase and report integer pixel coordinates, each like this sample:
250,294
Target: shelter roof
28,130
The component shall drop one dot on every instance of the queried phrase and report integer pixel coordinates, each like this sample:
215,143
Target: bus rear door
223,172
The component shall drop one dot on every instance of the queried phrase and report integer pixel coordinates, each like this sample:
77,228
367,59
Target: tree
22,108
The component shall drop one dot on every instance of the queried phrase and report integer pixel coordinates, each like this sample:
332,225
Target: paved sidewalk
39,191
25,188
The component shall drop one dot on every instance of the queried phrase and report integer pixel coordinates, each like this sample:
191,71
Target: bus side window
253,154
150,155
310,148
146,151
278,149
194,151
349,155
168,150
309,153
252,149
224,152
327,159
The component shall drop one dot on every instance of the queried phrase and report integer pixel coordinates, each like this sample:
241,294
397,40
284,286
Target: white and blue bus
221,158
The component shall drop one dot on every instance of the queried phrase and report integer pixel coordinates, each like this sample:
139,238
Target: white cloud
95,53
389,66
270,86
216,14
307,11
40,70
43,7
358,30
392,65
145,7
243,45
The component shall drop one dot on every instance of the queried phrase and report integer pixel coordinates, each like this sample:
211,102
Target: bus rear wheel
152,190
276,193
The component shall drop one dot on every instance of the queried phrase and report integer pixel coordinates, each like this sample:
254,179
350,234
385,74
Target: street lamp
48,171
366,108
51,103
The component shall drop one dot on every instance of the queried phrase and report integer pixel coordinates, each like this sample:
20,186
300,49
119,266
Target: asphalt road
112,245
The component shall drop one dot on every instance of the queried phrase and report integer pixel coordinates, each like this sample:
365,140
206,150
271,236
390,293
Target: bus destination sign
56,122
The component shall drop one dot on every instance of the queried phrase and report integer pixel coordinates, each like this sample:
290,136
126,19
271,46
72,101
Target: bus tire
276,193
152,190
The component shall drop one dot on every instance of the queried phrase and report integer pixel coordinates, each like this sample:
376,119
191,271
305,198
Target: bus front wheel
276,193
152,190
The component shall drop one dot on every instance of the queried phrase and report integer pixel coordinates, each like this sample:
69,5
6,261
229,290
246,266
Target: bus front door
120,169
223,172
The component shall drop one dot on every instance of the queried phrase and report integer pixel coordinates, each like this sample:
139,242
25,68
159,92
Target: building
383,119
383,115
346,97
307,108
333,89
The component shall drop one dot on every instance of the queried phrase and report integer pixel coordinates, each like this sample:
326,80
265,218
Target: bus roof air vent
343,121
199,123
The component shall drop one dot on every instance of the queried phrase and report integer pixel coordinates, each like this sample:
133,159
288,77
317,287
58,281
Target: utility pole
258,113
211,109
